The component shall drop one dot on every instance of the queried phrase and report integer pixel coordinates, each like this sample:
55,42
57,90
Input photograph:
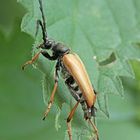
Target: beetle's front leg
44,53
53,92
32,60
47,55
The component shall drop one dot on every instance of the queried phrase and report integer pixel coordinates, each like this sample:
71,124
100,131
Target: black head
47,44
56,48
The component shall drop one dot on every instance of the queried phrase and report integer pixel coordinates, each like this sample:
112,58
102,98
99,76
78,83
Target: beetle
73,72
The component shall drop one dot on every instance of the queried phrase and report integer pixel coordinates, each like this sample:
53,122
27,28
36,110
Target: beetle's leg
57,68
51,100
32,60
46,54
69,120
95,129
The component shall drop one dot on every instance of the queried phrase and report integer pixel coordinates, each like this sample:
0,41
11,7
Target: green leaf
92,29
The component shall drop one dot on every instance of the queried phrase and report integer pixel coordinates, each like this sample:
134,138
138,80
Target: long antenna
43,17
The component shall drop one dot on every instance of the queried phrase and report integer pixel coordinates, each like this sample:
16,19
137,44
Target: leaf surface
92,29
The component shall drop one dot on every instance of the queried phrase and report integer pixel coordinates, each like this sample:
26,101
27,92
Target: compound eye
48,44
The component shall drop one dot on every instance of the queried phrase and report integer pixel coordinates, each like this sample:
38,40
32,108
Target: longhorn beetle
73,72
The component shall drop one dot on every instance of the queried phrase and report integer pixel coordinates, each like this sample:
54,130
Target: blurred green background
21,101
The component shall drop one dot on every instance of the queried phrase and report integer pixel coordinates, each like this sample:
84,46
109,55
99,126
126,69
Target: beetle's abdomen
77,94
74,89
77,69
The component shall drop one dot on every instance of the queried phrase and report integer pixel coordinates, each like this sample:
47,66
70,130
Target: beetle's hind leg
94,128
69,120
